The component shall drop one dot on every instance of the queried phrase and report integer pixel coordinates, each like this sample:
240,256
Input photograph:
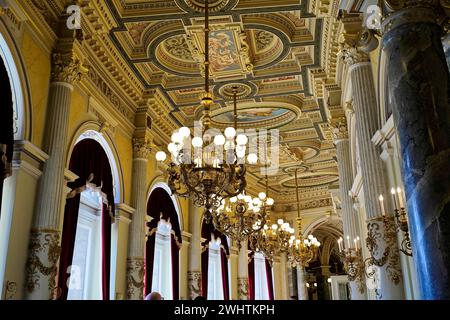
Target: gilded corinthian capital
141,147
340,131
352,54
66,68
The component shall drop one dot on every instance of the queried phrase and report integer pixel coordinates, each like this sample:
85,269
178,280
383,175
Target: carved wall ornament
141,148
135,278
67,68
43,243
194,284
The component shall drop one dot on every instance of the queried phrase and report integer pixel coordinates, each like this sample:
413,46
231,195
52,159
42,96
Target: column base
135,278
383,267
243,288
42,264
194,284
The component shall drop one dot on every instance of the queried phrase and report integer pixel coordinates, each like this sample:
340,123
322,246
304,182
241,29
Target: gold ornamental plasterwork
135,287
47,243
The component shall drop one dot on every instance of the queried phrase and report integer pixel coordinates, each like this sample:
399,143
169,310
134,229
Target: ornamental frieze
110,95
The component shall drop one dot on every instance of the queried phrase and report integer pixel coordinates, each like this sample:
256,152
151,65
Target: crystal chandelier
209,167
272,239
301,251
241,216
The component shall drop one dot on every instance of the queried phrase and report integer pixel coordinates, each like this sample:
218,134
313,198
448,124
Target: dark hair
200,298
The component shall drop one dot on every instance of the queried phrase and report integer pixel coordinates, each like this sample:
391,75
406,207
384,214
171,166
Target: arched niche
159,183
89,131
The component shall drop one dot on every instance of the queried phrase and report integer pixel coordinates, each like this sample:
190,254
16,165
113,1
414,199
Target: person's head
153,296
200,298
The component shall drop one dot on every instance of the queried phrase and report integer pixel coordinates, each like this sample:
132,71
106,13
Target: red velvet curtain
175,250
205,264
106,251
160,206
224,261
88,157
68,243
149,257
269,279
251,276
6,124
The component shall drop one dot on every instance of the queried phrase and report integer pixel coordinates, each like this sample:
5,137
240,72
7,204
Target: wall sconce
353,262
401,223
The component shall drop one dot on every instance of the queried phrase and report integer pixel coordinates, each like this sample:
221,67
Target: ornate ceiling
281,54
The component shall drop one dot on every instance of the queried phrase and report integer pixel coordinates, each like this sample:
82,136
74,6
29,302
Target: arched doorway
162,257
215,255
85,262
